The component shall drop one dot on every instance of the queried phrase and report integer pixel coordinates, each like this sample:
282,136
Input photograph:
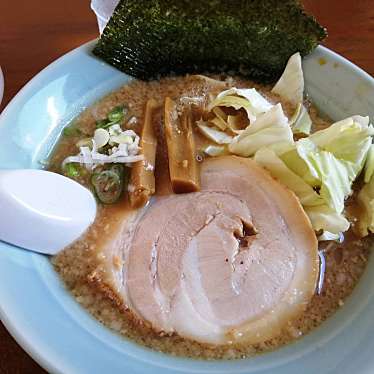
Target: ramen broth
344,262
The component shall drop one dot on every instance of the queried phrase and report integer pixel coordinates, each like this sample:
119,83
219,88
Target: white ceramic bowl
63,337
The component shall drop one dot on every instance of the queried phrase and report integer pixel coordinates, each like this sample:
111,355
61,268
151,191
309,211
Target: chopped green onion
72,170
116,114
108,186
122,172
118,169
103,124
71,131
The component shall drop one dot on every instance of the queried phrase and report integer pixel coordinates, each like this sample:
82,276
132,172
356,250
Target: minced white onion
121,152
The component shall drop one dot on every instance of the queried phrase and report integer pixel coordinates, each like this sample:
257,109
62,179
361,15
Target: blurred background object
1,85
103,10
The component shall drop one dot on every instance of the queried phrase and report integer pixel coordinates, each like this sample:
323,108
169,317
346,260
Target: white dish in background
63,337
103,10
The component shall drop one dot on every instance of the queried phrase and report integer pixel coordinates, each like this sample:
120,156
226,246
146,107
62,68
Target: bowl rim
11,325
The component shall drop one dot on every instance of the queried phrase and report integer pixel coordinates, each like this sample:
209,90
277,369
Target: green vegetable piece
252,38
122,172
301,122
71,131
72,170
108,186
118,169
369,164
365,199
117,114
103,124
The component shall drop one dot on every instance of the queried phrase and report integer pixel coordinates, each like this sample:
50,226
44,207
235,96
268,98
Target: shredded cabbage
290,86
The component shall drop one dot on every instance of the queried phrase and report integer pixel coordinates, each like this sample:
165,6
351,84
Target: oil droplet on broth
199,157
322,61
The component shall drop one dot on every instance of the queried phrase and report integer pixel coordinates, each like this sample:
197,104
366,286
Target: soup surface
344,262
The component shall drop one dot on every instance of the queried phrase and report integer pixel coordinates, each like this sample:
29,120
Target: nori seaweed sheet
152,38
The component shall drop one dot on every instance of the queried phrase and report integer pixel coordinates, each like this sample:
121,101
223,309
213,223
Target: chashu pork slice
233,262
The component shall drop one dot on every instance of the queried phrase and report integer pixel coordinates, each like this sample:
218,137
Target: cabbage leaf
335,180
214,150
298,160
328,236
331,159
269,128
214,134
369,164
290,85
301,123
348,140
365,199
324,218
248,99
321,168
270,161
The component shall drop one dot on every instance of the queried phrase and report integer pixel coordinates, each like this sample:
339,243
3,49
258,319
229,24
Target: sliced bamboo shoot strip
142,181
183,166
